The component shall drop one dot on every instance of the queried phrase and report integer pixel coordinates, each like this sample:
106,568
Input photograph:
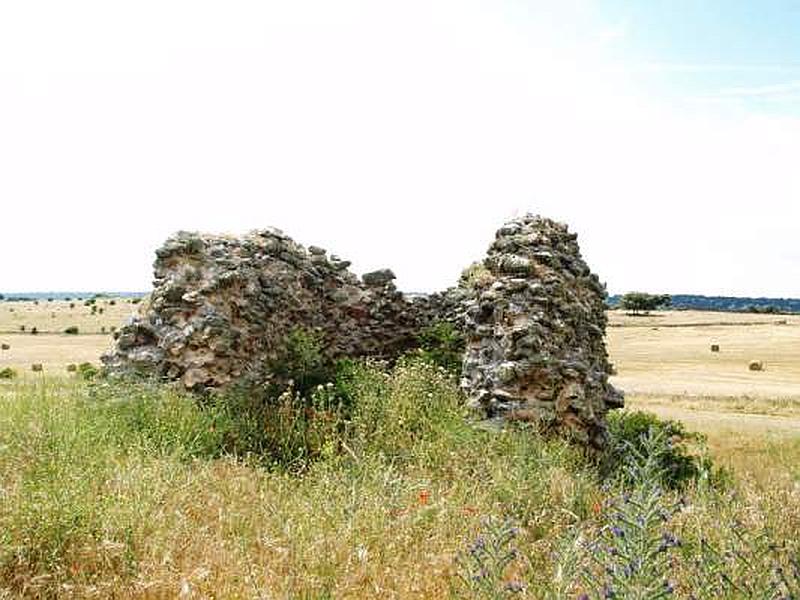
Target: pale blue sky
734,51
402,134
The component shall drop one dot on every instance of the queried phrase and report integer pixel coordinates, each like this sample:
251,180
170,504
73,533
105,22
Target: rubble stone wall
222,308
535,331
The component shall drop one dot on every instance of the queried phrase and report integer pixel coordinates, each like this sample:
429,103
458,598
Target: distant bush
112,302
72,368
135,300
34,331
638,303
71,330
87,371
37,367
7,373
5,347
72,305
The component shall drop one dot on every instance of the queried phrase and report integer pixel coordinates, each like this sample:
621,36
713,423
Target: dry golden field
50,346
56,316
669,353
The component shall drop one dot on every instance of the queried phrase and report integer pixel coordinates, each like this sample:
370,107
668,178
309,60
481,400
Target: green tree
638,303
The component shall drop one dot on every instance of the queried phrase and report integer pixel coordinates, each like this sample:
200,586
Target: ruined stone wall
222,307
535,327
534,320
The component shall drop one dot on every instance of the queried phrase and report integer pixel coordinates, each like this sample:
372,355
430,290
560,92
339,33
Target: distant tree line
726,304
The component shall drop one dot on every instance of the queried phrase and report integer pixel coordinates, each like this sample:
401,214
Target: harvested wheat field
669,353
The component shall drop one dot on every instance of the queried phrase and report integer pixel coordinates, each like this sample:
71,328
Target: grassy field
57,315
113,492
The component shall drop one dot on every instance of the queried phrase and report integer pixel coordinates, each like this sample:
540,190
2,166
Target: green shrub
87,371
443,345
302,362
7,373
680,460
71,330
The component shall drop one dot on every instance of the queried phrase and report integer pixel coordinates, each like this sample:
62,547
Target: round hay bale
37,367
715,347
756,365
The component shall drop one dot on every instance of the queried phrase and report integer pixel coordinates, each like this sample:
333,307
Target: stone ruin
535,328
222,307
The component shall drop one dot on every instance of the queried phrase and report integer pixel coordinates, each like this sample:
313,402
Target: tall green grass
373,485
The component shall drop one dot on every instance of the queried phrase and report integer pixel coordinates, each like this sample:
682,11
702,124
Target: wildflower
617,532
478,546
424,496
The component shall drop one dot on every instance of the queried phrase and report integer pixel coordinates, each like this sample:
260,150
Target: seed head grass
371,487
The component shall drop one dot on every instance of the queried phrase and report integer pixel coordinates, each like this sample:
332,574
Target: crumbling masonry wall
222,308
535,330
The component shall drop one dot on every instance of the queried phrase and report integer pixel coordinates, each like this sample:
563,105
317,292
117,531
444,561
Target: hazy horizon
404,135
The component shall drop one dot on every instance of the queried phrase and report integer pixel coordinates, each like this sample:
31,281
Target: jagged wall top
222,307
